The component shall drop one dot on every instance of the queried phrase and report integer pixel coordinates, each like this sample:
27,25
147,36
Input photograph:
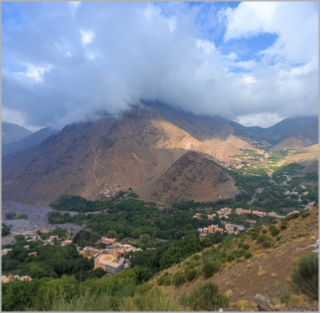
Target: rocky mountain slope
137,150
191,177
12,132
90,158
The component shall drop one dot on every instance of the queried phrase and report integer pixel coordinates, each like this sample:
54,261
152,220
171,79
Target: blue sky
253,62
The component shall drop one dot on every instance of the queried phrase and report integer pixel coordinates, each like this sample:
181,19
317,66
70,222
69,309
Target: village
233,228
112,258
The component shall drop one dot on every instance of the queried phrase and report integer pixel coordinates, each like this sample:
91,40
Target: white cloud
86,36
172,23
138,52
263,120
295,23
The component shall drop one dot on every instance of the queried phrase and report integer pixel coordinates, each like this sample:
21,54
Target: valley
182,191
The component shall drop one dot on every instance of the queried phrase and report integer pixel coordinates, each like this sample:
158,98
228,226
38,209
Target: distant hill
28,142
290,133
13,132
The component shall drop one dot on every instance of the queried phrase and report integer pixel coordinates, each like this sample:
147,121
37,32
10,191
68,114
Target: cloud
104,56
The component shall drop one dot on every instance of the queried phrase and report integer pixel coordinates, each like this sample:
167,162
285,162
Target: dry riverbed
37,220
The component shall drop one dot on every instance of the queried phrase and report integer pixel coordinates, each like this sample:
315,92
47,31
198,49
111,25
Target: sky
64,62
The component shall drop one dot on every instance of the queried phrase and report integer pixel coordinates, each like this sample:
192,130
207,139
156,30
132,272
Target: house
252,223
88,252
242,211
66,242
197,215
240,227
110,263
106,241
25,278
229,228
211,216
5,251
26,247
259,213
205,230
4,279
32,253
224,212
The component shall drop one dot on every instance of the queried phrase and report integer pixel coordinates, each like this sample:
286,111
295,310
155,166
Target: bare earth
37,220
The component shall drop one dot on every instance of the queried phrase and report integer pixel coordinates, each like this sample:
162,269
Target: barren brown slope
307,157
85,159
192,177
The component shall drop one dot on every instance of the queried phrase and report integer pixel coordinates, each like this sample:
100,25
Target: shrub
266,244
262,238
205,298
247,255
264,231
292,216
178,279
191,274
305,278
304,214
279,237
275,231
283,226
210,268
245,246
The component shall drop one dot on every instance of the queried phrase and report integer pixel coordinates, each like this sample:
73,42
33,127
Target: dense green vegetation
78,204
5,230
50,261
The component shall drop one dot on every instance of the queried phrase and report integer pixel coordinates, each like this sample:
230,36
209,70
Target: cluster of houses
10,277
234,229
112,258
229,228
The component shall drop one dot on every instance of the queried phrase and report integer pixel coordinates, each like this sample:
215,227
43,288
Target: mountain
28,142
12,132
191,177
92,158
290,133
141,149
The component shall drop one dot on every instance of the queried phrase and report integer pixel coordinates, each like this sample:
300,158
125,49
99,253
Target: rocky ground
37,220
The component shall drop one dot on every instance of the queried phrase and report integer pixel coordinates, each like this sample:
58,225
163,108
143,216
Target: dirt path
257,191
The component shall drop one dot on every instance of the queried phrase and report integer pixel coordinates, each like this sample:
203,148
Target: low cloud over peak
62,62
